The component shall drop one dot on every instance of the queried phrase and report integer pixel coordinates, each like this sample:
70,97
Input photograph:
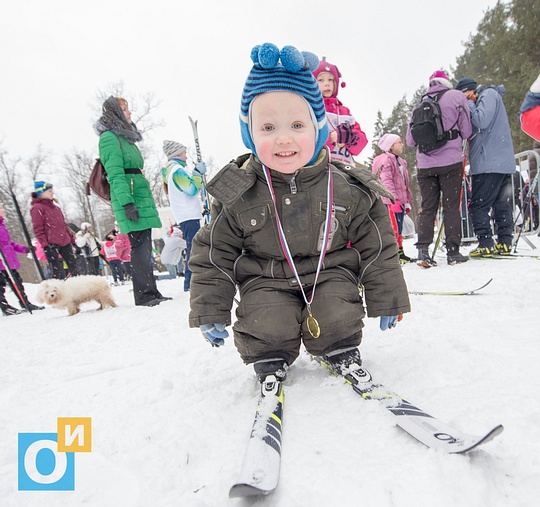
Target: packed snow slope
171,416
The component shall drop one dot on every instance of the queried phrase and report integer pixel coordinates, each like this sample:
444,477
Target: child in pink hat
391,169
346,138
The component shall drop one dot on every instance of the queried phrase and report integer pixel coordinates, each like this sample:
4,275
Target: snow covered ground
171,415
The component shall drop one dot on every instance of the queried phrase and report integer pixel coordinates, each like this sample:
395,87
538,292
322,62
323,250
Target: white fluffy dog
72,292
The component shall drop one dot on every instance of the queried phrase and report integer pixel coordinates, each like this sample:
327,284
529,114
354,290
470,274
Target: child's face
327,84
282,130
397,147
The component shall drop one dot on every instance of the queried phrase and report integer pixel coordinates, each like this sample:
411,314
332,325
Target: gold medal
313,326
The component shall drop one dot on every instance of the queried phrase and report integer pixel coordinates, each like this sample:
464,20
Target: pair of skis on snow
260,469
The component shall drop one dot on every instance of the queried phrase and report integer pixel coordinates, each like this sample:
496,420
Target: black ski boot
343,361
403,257
276,366
9,310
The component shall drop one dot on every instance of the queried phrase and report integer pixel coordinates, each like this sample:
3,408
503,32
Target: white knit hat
172,148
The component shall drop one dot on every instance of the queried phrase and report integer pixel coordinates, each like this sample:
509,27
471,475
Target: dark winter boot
424,259
9,310
454,258
343,361
277,367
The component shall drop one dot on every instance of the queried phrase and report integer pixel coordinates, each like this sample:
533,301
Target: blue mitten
215,334
200,167
388,322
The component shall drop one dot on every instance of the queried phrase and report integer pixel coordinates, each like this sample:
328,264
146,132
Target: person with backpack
438,126
492,167
131,196
391,169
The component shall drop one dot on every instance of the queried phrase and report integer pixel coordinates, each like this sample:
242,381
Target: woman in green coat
131,197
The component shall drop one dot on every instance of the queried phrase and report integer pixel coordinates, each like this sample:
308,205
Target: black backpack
427,126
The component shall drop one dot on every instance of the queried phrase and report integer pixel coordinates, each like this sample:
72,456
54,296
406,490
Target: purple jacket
10,248
455,114
50,227
385,166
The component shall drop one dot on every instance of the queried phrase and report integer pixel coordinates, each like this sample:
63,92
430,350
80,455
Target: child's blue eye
268,128
297,125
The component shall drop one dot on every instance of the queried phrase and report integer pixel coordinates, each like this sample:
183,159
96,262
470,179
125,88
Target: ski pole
204,194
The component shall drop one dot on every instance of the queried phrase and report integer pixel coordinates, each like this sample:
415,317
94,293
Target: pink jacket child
10,249
123,247
346,138
391,169
109,251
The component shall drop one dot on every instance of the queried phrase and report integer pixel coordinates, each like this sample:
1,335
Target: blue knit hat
41,186
292,74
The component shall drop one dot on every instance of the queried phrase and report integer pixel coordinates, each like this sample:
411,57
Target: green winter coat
241,243
117,154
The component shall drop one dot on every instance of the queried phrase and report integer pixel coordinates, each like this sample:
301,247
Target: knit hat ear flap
286,70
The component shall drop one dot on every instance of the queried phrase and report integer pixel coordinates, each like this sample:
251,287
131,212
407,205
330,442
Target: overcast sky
194,56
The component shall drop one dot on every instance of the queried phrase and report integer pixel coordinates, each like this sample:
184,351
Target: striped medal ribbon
311,322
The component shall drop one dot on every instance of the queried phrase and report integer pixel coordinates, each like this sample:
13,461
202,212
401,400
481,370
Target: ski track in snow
171,416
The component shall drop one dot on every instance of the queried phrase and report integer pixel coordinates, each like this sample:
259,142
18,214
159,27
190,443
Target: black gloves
131,211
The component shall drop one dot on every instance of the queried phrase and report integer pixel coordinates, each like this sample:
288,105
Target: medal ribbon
283,239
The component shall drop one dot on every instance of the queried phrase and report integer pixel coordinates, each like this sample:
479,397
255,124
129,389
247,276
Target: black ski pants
4,280
432,182
492,192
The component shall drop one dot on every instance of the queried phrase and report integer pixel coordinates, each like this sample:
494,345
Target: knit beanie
172,148
85,226
41,186
439,76
286,70
325,66
466,84
387,141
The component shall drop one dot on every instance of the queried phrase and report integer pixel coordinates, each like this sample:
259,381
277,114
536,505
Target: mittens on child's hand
389,322
346,134
215,334
397,207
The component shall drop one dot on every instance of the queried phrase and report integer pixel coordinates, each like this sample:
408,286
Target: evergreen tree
506,50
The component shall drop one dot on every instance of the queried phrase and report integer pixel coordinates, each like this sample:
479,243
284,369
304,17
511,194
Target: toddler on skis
281,221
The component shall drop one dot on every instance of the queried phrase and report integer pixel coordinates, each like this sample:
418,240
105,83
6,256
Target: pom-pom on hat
325,66
287,70
439,76
41,186
172,148
466,84
387,141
